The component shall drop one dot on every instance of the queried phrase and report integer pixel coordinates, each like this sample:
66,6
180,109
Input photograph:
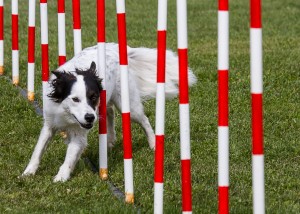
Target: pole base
129,198
30,96
16,80
103,174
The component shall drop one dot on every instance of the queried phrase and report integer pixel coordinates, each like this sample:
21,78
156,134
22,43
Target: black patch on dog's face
62,86
64,81
92,84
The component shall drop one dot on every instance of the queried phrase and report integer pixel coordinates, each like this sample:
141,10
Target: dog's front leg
45,136
74,151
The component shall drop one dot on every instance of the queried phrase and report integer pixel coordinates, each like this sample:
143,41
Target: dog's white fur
142,86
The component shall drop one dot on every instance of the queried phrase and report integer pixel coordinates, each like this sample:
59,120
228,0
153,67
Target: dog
73,92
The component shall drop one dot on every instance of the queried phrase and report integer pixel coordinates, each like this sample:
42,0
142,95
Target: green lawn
85,193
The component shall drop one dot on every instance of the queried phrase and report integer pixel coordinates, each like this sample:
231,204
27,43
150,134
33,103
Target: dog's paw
152,146
111,139
110,145
30,170
151,142
63,174
60,178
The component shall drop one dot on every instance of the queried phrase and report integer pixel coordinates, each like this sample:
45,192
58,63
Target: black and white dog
73,99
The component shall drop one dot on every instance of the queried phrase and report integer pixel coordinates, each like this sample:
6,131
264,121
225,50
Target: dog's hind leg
75,148
111,133
45,136
137,115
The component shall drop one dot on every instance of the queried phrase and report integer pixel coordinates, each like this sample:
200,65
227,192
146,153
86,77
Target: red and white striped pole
76,26
44,45
1,38
127,144
223,130
185,148
31,50
15,42
103,169
256,67
160,107
61,32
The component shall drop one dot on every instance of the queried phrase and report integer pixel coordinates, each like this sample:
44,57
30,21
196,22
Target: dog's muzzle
89,118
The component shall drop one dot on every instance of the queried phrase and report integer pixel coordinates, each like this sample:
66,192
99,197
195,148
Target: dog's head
78,94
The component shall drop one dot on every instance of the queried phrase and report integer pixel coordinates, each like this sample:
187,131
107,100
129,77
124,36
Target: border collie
73,99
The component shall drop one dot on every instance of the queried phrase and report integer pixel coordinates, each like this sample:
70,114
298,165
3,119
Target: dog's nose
89,118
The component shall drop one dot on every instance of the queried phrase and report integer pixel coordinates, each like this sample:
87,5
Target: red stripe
161,55
255,11
223,97
122,38
101,20
223,5
31,44
223,200
14,32
61,60
61,6
76,14
1,22
45,62
126,136
183,77
257,124
186,185
159,159
43,1
102,113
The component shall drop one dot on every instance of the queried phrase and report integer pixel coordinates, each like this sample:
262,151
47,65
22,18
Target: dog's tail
143,65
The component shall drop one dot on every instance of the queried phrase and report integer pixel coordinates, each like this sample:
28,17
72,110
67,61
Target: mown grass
84,193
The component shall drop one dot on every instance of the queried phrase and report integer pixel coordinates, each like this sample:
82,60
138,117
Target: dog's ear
93,67
61,85
93,72
64,76
91,75
56,73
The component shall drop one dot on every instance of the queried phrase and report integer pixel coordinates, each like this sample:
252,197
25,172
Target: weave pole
160,107
103,169
15,41
1,38
61,17
185,150
44,46
127,144
256,70
31,50
223,130
76,26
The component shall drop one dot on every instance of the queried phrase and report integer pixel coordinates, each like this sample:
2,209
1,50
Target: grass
84,193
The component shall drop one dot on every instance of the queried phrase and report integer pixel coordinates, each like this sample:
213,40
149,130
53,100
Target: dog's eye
75,99
93,98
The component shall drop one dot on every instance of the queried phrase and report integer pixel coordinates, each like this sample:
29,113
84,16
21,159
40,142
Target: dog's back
142,63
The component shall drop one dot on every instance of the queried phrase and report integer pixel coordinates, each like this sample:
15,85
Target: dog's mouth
86,125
